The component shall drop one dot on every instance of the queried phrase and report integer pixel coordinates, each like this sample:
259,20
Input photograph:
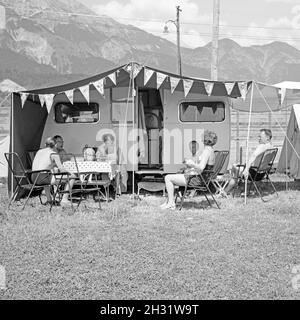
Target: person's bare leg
48,193
171,181
235,172
68,188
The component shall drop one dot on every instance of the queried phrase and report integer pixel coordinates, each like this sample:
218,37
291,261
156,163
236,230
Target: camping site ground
133,250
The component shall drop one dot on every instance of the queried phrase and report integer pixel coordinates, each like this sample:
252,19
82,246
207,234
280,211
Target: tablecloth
91,166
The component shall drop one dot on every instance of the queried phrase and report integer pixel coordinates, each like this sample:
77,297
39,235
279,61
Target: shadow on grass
194,203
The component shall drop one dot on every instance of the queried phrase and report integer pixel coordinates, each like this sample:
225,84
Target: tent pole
133,119
248,136
12,140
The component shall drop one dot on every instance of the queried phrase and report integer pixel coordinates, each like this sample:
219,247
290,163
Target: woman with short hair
206,162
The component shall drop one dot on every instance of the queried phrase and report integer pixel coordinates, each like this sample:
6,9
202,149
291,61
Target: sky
246,22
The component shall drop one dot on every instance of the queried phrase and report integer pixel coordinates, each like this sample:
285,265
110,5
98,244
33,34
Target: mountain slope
43,44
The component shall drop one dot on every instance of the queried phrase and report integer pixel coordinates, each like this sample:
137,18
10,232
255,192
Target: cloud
196,26
143,14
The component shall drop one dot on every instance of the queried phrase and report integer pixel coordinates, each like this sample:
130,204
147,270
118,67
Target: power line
69,13
159,32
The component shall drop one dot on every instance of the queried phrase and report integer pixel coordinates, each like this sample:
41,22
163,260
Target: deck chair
217,179
260,172
30,157
202,186
24,178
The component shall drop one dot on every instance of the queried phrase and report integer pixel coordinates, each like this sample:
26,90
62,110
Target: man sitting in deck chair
264,140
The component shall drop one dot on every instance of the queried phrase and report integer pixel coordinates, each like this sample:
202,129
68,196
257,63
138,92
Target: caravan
153,115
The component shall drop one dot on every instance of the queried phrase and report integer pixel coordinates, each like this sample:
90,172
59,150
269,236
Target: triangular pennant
112,77
208,87
136,70
282,92
174,83
229,86
49,101
42,99
243,87
99,85
147,75
70,95
160,78
187,84
85,90
24,97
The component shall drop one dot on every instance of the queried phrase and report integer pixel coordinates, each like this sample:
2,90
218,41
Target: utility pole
215,39
166,30
178,10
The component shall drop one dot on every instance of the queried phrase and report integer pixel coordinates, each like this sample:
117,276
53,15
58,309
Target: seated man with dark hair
59,145
264,140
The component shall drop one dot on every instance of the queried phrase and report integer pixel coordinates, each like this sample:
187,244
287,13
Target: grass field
133,250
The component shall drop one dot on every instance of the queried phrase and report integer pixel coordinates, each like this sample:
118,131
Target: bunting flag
243,89
99,85
187,85
42,99
112,77
282,92
147,75
49,101
136,70
229,87
160,78
85,90
70,95
208,87
174,83
24,97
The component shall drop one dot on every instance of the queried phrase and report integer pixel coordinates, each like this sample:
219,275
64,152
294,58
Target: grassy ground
134,250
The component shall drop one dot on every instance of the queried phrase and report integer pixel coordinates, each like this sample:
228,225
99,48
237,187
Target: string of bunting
239,88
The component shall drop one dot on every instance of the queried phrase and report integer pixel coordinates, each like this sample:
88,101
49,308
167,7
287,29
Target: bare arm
203,161
57,162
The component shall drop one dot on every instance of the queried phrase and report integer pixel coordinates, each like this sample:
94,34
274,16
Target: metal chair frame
265,166
23,178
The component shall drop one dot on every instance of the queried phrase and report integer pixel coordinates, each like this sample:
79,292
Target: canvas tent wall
289,160
4,147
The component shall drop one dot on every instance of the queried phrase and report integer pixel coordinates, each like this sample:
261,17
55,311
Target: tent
289,160
4,147
31,108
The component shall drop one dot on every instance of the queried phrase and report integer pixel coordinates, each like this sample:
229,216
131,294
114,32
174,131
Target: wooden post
215,39
178,40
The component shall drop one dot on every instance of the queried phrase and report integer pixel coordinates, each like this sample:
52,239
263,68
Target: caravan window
81,112
202,111
121,105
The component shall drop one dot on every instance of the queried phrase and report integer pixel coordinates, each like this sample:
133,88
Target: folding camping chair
218,179
30,157
260,172
23,178
201,183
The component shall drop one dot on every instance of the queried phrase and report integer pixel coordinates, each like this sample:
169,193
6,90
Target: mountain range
47,42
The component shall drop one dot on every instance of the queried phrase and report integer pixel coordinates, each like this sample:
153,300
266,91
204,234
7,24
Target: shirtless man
43,161
264,140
